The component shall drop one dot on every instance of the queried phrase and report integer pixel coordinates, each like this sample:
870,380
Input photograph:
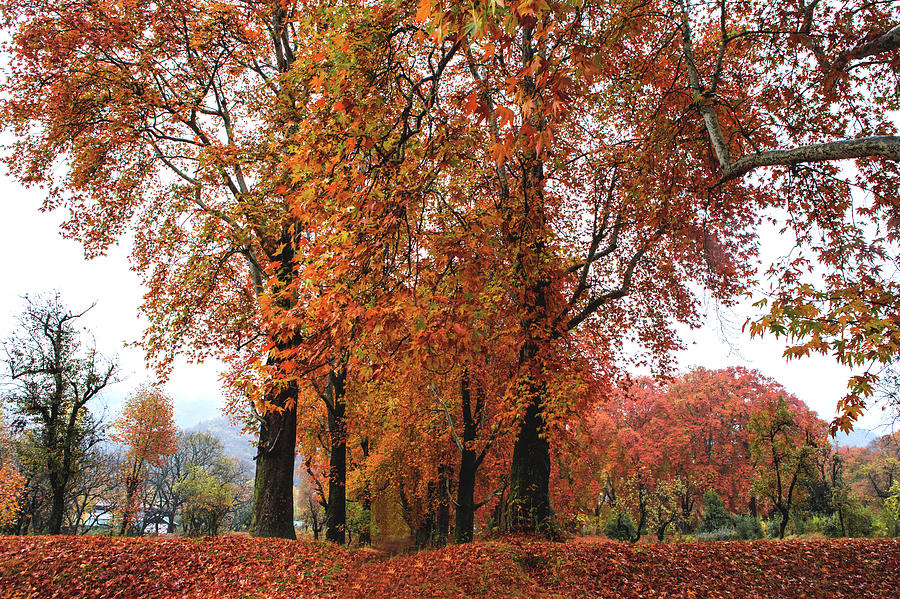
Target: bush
889,524
621,527
772,528
832,528
859,522
585,524
748,527
715,516
720,534
816,523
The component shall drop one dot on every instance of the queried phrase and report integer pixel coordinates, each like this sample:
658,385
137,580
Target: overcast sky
37,259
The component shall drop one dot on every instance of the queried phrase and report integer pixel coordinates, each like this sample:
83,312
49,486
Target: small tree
715,515
196,449
621,527
53,377
207,499
783,445
147,430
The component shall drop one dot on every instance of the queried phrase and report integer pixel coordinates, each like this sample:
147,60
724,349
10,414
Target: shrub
748,527
816,523
859,522
621,527
715,516
832,527
889,524
720,534
587,524
772,528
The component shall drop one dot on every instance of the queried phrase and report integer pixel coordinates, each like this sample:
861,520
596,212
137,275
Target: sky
37,259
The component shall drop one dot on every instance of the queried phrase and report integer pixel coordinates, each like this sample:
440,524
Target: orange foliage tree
148,432
330,187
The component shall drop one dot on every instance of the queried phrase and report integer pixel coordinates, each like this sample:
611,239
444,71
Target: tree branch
885,146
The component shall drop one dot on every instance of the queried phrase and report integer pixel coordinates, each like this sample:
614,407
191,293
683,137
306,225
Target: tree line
64,470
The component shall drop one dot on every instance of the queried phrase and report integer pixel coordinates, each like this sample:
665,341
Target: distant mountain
858,437
237,444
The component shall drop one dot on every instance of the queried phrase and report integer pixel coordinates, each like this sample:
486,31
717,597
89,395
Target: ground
241,567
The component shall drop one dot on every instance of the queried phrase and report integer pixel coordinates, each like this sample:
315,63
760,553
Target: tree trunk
465,498
57,507
528,505
785,516
273,492
365,535
130,489
425,531
442,523
336,512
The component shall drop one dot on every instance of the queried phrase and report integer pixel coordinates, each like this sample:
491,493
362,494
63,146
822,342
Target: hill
859,437
237,444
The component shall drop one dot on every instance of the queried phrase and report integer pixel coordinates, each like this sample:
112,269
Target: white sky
37,259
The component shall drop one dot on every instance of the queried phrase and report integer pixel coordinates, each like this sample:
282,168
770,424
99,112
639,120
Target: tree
53,377
207,499
94,489
167,114
12,483
11,486
198,450
715,515
148,432
784,441
638,163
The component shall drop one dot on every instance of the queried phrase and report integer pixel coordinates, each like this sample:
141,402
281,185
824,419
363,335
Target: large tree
622,137
53,376
592,159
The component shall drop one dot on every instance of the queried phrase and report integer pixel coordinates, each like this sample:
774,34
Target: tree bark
442,530
528,505
273,492
465,498
365,535
57,508
468,464
336,512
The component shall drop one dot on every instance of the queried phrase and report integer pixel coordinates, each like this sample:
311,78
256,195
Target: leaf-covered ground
240,567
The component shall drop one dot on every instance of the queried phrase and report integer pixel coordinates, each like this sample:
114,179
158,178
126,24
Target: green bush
816,523
748,527
587,524
890,525
725,533
772,528
621,527
859,522
832,528
715,516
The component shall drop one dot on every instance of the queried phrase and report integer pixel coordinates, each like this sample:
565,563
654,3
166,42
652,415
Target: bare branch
885,146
